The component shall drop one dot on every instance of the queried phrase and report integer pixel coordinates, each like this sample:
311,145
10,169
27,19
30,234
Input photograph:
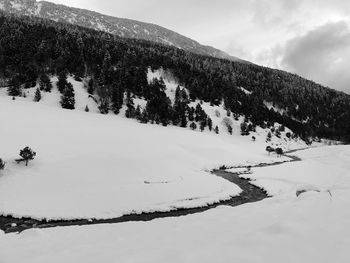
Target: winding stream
250,193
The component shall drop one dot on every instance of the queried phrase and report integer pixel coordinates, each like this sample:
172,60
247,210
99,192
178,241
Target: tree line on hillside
32,49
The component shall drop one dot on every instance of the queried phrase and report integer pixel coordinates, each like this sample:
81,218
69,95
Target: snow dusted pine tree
67,98
37,96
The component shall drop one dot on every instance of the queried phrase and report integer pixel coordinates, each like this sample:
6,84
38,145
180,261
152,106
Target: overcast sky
307,37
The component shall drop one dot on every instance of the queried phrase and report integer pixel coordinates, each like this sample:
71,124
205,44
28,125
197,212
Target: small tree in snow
27,154
210,124
45,83
279,151
229,129
228,123
269,136
2,164
216,129
68,97
14,88
193,126
37,96
269,149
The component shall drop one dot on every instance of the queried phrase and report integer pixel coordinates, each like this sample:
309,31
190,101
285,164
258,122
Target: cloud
274,12
322,54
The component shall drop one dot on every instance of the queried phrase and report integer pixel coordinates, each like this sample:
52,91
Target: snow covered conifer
202,125
193,126
144,116
216,129
104,106
117,98
45,83
14,88
67,98
130,111
27,154
210,124
37,96
62,81
91,89
2,164
229,129
269,136
138,112
279,151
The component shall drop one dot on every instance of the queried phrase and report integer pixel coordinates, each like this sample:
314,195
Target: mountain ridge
123,27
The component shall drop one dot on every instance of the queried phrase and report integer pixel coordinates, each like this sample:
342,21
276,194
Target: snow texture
310,228
104,166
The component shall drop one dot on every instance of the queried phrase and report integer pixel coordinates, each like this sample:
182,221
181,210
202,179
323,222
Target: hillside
121,27
100,166
115,71
79,153
119,149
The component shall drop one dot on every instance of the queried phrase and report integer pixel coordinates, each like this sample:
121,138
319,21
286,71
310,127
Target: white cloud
322,54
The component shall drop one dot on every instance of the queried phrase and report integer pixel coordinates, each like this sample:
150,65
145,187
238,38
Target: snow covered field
103,166
90,165
310,228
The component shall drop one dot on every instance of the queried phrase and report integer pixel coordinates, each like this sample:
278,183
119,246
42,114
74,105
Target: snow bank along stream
250,193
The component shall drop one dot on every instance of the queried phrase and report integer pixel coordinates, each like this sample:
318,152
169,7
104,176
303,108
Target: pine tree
37,96
45,83
138,113
244,128
117,98
183,123
210,123
2,164
62,81
68,97
27,154
191,114
202,125
130,111
229,129
177,95
14,88
193,126
144,117
104,106
269,136
216,129
87,108
90,88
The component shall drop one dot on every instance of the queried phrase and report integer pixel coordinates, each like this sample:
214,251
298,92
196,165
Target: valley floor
285,228
90,165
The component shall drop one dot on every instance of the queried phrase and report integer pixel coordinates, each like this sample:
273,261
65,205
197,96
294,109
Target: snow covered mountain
119,26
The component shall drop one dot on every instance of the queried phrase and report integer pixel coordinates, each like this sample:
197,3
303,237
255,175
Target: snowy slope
218,114
53,98
310,228
103,166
